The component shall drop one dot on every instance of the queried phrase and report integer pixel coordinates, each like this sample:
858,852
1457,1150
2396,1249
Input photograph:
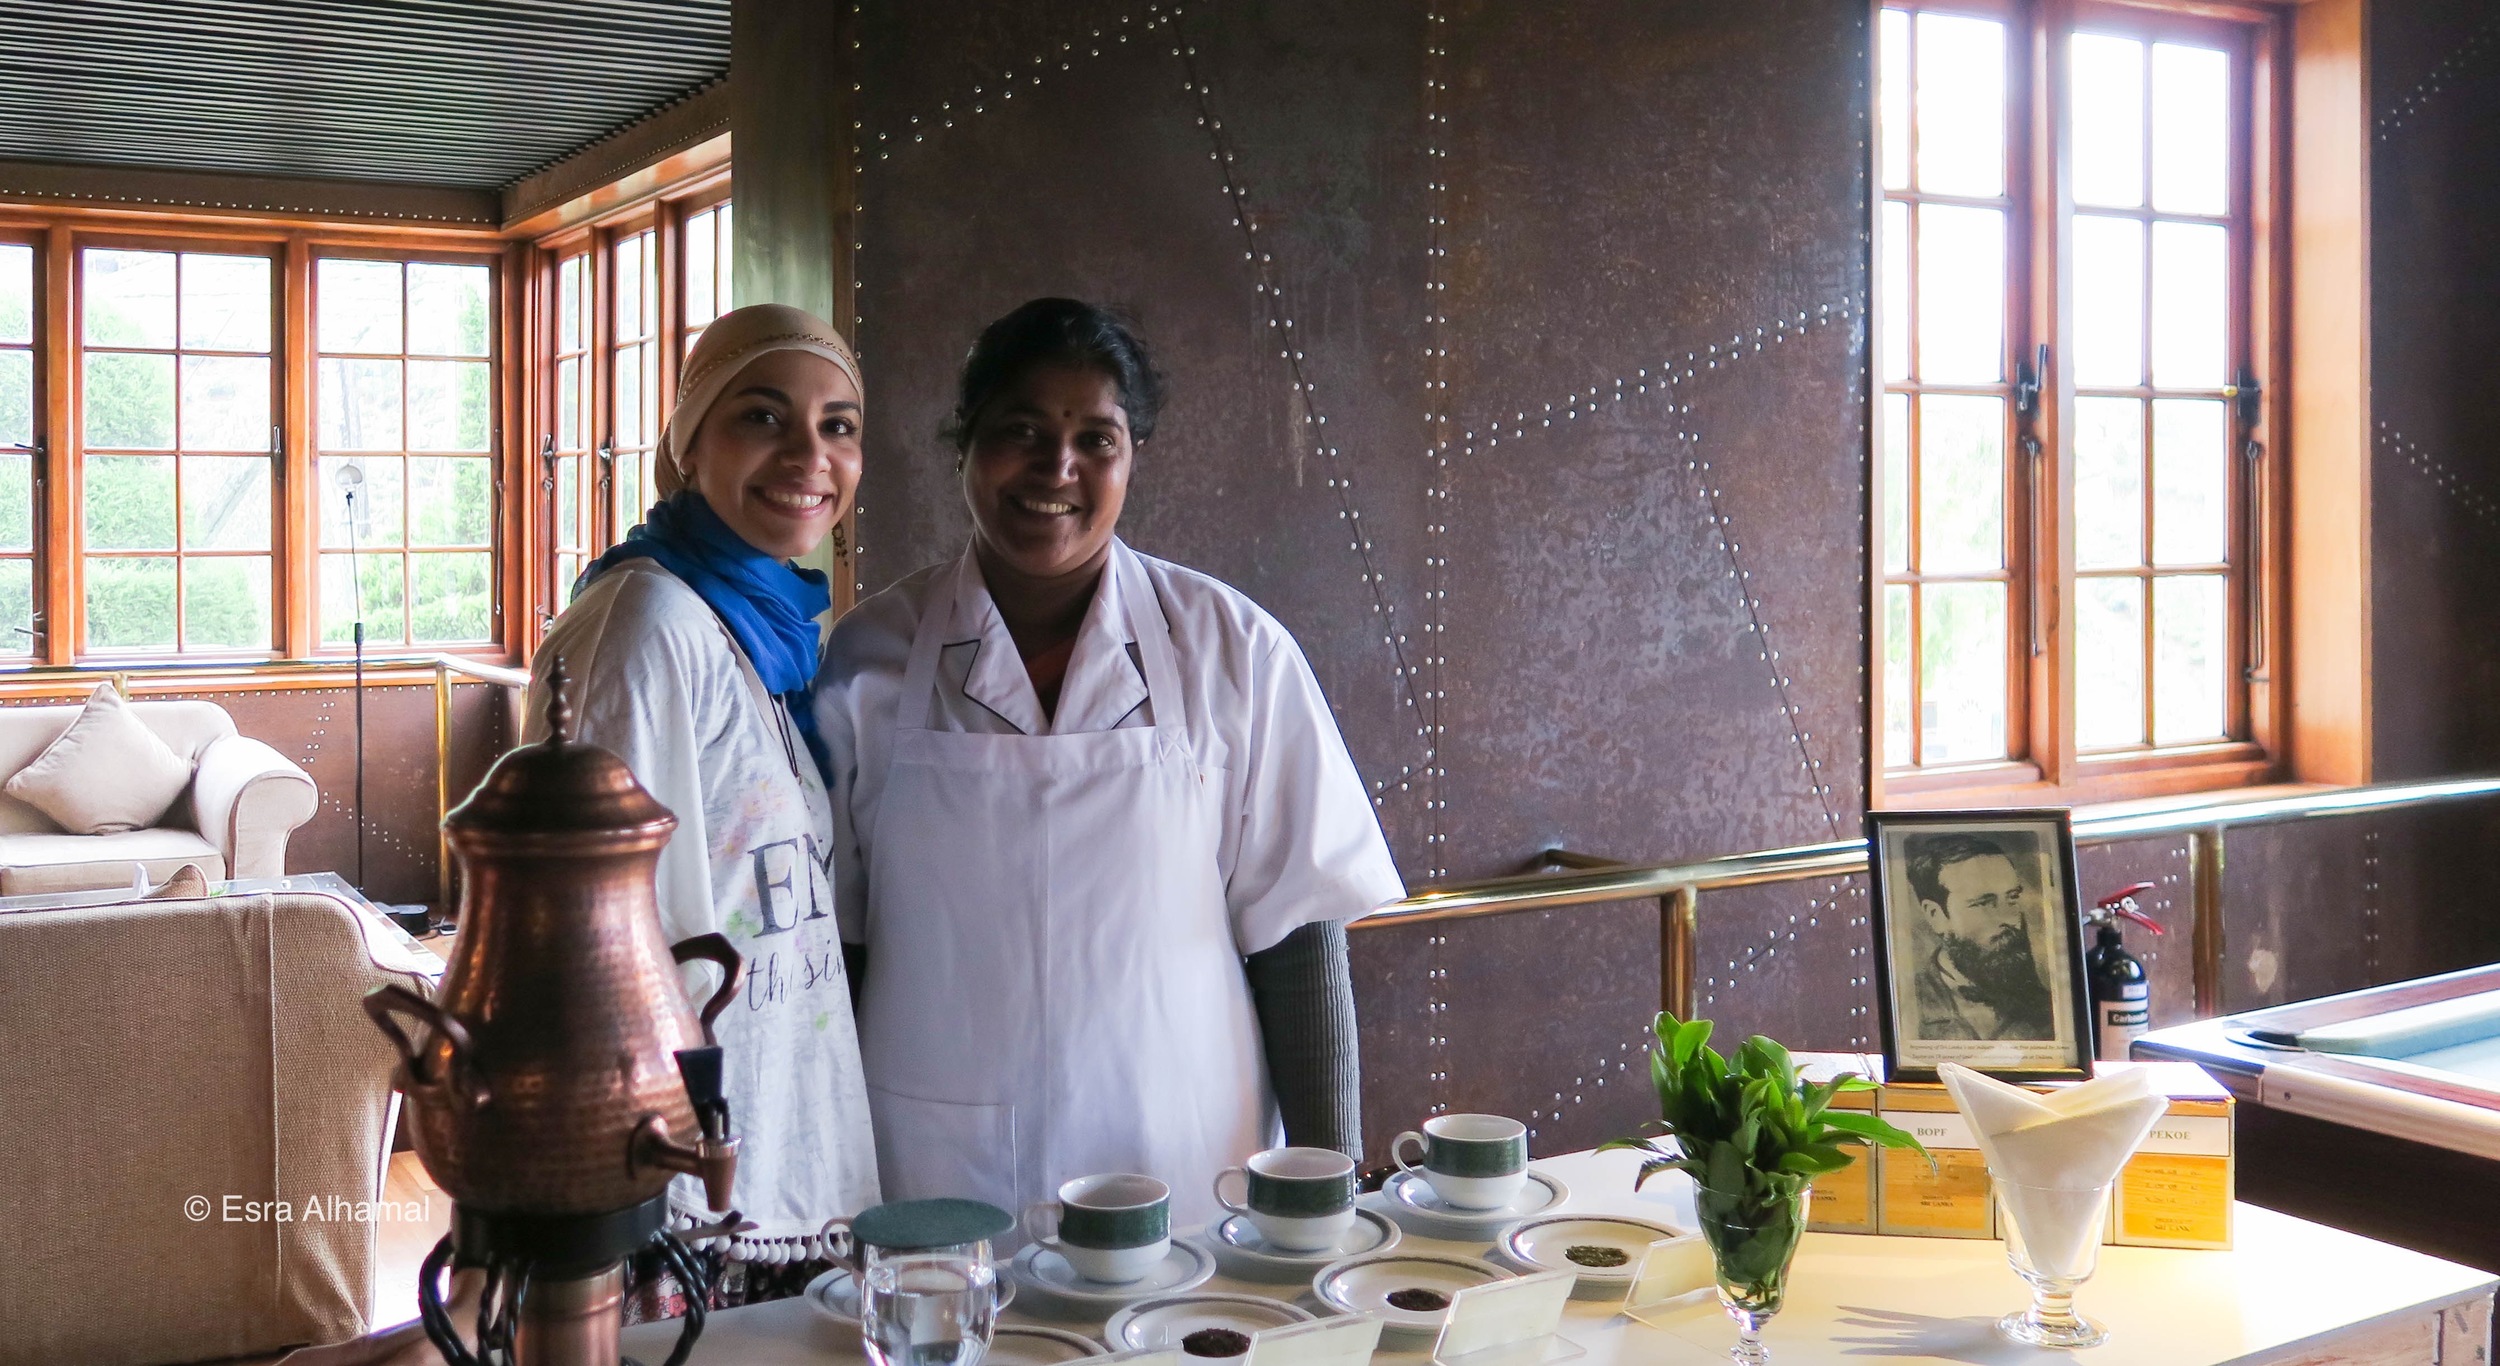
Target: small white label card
1512,1322
1347,1341
1672,1269
1143,1356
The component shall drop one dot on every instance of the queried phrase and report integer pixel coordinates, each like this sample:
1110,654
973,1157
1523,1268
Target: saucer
1020,1344
1186,1267
1610,1248
1363,1285
1411,1199
1165,1320
836,1295
1242,1252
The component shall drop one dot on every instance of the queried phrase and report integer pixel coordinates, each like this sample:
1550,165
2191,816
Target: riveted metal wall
2435,327
1517,360
441,92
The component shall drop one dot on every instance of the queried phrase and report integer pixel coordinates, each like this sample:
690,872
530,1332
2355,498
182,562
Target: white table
2291,1294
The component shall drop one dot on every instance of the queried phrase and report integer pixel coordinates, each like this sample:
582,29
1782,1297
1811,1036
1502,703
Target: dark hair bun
1057,332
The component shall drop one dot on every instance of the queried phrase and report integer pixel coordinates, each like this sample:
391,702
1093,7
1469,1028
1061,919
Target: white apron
1053,987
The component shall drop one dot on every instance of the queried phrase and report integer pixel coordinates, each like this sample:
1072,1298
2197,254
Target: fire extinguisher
2122,995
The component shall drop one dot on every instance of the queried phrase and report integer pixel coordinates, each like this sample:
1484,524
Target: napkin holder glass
2053,1271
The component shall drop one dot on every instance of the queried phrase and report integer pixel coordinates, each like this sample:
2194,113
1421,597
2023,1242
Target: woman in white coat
690,646
1095,832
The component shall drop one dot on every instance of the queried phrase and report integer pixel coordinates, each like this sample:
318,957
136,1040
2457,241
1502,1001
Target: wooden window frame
59,232
38,452
2047,765
661,211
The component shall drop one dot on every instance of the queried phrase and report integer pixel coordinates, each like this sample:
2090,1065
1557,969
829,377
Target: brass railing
1581,879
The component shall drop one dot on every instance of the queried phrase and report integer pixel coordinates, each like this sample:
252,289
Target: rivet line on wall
1723,526
2414,102
997,89
2369,903
1280,323
1437,423
2445,478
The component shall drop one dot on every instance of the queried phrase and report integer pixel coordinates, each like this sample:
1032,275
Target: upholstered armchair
233,819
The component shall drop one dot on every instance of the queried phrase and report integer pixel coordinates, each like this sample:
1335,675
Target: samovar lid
561,786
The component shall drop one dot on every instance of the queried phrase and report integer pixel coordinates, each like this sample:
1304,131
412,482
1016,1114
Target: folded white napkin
2054,1155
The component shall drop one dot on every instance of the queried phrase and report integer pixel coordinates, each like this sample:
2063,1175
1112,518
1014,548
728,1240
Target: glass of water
928,1310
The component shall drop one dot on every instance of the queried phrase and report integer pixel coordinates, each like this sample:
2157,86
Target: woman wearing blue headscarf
689,647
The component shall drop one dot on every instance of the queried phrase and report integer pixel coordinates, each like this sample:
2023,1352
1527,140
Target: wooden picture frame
1947,996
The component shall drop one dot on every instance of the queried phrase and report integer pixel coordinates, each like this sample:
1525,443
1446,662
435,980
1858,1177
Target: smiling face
777,456
1046,471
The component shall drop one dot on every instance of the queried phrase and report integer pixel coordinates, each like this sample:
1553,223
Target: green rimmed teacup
1473,1162
1112,1228
1299,1199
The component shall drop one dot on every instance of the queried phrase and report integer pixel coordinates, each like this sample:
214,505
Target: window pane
129,297
446,310
2190,648
17,297
1893,104
130,603
2106,75
650,395
17,608
2109,301
2191,481
1961,105
569,503
366,488
453,597
225,302
569,304
360,303
2191,129
225,502
360,405
2109,663
569,405
628,391
446,405
2109,483
225,404
384,615
1962,672
1961,295
700,307
451,500
129,401
726,249
629,503
17,399
129,502
2191,304
1961,509
1896,675
629,285
1896,415
225,603
1896,339
17,512
568,569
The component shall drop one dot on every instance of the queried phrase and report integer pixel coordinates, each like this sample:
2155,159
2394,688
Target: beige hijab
734,338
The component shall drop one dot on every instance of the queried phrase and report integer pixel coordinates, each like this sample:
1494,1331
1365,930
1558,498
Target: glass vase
2053,1238
1752,1235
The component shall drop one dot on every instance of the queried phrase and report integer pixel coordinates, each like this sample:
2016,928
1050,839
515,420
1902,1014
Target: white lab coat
658,679
1258,788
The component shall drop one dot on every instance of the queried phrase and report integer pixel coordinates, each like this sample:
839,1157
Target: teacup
1112,1228
1299,1199
1472,1161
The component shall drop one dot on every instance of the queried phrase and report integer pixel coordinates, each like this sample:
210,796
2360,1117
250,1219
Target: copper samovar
560,1077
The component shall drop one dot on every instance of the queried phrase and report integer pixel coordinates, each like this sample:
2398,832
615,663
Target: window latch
2247,398
2027,378
547,465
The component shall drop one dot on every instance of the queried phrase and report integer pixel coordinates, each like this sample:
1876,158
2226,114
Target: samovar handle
714,948
383,1001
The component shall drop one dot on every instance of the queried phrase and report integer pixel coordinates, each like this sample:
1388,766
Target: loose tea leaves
1216,1342
1415,1299
1591,1254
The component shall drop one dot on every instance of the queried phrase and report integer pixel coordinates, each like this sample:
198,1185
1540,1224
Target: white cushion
107,774
35,864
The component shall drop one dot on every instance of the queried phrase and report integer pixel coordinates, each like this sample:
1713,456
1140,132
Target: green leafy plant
1753,1135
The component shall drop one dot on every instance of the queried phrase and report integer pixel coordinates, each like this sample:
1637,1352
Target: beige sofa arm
246,798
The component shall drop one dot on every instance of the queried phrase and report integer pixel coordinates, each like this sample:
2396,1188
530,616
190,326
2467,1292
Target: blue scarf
770,606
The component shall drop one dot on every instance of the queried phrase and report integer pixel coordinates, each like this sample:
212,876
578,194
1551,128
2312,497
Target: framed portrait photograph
1979,943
